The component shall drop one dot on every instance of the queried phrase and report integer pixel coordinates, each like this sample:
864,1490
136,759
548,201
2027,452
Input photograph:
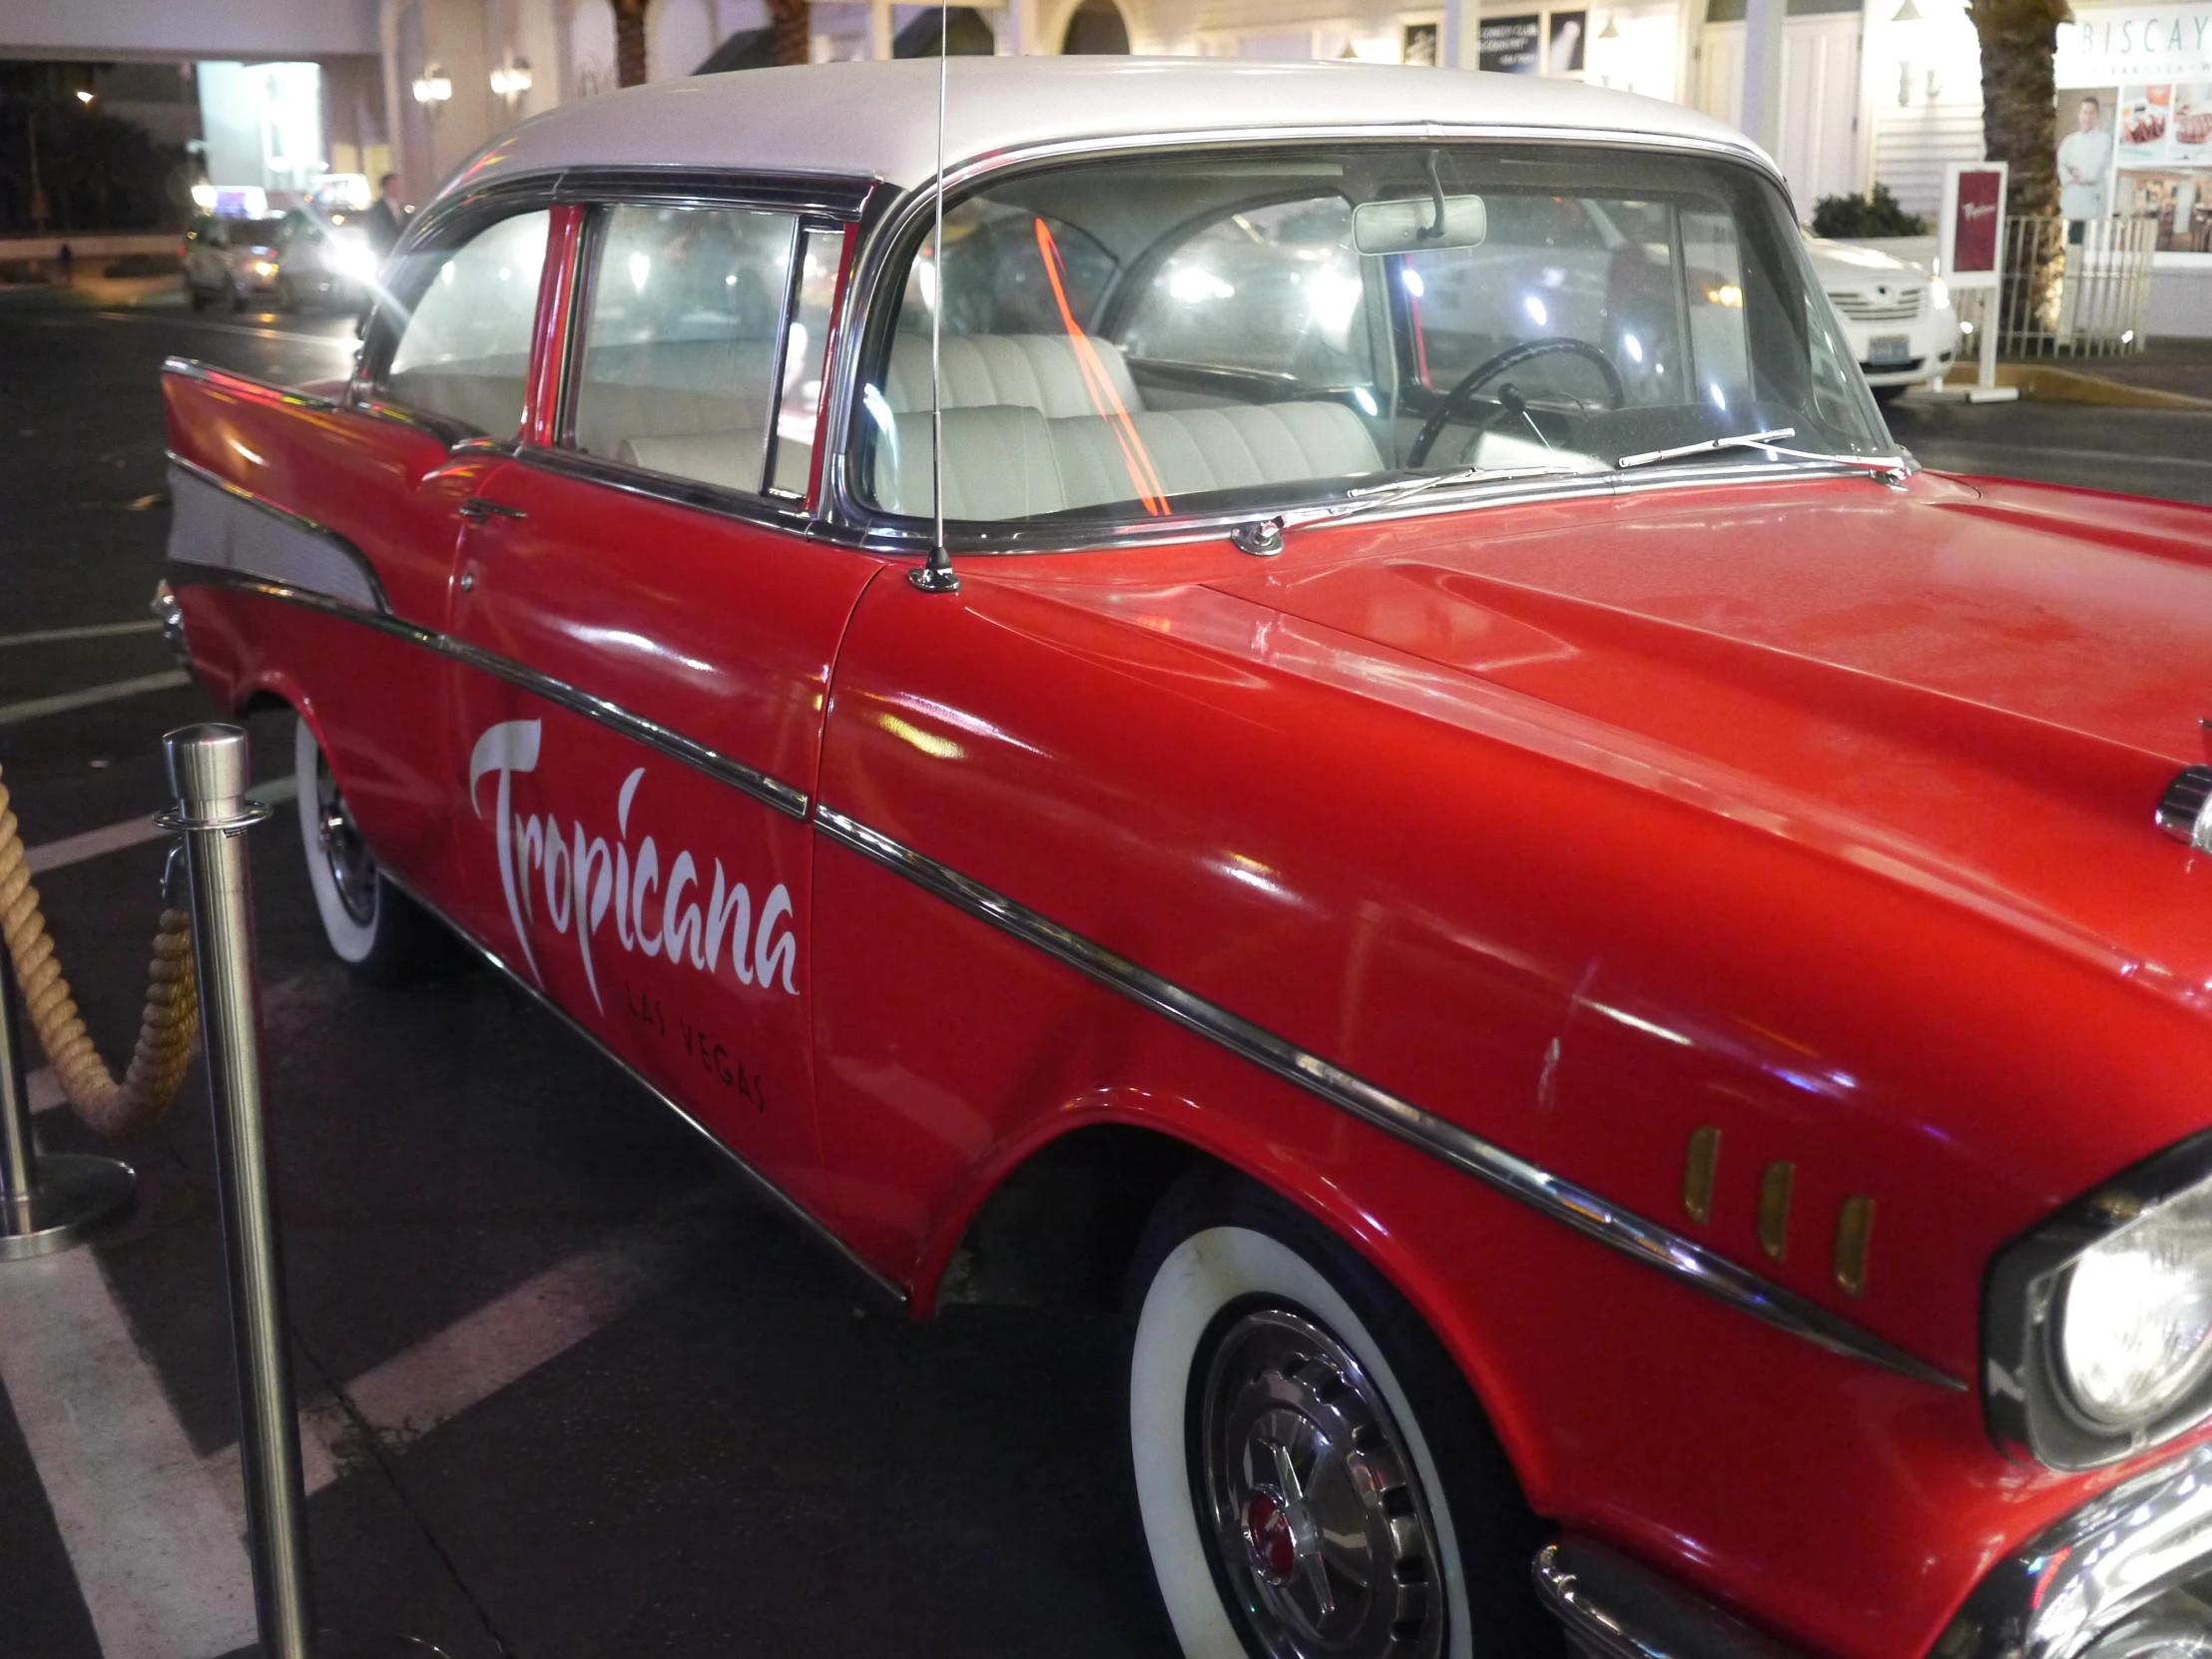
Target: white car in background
1899,320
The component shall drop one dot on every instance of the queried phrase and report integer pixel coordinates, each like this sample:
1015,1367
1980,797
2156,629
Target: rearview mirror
1419,226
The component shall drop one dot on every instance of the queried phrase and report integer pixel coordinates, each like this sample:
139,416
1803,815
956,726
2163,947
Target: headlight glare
2135,1332
1938,294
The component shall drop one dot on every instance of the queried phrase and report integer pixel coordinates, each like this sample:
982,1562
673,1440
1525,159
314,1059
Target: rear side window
464,350
702,348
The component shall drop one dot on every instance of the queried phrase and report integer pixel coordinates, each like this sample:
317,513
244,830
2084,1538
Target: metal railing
2075,287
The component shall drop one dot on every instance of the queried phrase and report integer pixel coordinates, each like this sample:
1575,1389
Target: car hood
1843,263
1991,686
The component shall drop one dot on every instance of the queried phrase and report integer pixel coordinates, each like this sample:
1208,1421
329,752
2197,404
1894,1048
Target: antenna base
933,578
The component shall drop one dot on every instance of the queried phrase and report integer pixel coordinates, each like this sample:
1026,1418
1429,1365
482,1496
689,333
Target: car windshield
1139,336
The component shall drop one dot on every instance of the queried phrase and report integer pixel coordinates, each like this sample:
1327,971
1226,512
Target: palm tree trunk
794,23
630,42
2019,41
2019,127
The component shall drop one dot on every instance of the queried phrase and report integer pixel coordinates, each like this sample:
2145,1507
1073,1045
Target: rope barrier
168,1028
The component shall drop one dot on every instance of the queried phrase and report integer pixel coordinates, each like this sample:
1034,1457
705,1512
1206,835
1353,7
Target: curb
2069,385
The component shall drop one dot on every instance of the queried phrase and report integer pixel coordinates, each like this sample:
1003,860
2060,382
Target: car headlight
265,268
2135,1329
350,257
1938,294
2098,1326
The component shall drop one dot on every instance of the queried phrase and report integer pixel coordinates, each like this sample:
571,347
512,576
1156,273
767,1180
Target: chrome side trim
1616,1608
776,1198
770,792
271,541
1680,1258
2110,1559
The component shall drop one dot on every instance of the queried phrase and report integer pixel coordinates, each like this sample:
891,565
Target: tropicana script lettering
582,877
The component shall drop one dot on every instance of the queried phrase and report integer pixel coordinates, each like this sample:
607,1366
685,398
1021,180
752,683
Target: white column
1458,48
880,28
1764,21
1018,36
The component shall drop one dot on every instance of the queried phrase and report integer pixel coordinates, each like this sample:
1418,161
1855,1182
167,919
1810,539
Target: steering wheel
1511,357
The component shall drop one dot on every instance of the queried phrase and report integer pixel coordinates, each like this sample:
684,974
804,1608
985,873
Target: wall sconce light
432,87
1612,29
1906,13
511,79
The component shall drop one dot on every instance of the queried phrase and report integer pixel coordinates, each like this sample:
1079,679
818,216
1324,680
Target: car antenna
935,574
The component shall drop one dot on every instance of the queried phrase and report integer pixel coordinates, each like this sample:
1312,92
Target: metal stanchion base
77,1195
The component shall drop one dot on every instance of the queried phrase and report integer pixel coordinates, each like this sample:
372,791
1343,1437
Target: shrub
1847,218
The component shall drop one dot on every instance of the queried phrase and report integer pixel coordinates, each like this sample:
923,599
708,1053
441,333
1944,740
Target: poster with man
2086,156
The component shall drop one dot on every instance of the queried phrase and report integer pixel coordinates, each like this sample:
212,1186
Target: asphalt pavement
568,1390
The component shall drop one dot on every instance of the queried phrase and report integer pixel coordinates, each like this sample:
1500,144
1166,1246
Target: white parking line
132,831
96,631
38,707
155,1550
478,1355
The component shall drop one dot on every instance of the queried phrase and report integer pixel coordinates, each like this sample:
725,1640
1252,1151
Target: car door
650,634
438,405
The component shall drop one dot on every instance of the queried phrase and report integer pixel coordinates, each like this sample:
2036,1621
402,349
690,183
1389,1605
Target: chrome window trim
192,368
294,521
777,1199
766,511
770,792
1680,1258
840,196
889,222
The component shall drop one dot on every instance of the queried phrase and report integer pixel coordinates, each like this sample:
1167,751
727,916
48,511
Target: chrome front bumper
2113,1580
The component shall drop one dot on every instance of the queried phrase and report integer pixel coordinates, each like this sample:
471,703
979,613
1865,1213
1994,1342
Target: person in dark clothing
388,218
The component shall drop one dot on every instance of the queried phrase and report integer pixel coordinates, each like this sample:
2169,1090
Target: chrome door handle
476,509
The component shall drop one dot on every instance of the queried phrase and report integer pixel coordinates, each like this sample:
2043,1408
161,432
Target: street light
511,79
84,96
432,87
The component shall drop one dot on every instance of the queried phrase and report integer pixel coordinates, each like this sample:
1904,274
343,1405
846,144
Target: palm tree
629,41
793,21
2019,41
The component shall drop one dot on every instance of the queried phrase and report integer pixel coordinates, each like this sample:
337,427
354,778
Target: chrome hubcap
1320,1533
352,866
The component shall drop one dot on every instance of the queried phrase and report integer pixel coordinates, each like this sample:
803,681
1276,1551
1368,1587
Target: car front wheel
375,928
1314,1479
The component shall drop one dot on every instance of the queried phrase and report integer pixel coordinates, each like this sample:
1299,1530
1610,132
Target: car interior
1149,336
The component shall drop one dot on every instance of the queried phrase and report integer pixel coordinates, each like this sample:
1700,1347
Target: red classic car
1312,697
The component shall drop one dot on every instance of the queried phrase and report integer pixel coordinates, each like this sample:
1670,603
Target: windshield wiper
1264,536
1891,469
1742,440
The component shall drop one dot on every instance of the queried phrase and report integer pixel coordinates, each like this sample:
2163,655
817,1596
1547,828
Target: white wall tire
1220,1259
372,926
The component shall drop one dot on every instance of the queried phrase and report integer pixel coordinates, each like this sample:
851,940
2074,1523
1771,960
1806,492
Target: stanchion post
18,1153
208,768
51,1201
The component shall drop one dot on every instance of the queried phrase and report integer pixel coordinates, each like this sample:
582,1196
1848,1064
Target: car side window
684,369
464,350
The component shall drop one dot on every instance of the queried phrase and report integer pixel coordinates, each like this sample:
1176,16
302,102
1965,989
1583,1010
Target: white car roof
878,119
